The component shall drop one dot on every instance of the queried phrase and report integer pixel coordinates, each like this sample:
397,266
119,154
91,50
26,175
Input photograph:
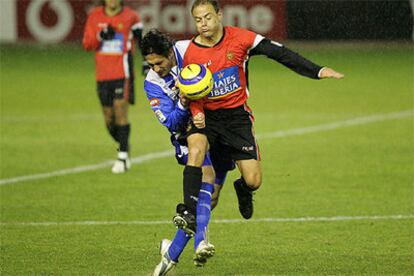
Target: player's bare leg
250,181
197,148
251,171
216,195
120,110
109,118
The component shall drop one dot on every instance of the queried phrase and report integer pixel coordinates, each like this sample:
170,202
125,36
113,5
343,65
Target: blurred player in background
111,31
171,109
228,118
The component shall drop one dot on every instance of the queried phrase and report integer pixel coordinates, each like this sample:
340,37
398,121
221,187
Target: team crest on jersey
120,26
154,102
230,55
226,81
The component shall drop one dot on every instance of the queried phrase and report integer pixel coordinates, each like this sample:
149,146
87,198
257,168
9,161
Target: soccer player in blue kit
171,109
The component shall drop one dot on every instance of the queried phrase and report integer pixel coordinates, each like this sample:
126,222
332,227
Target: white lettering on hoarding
235,15
8,21
261,19
176,19
64,24
173,19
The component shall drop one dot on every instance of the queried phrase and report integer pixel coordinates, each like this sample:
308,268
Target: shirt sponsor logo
161,117
226,81
154,102
114,46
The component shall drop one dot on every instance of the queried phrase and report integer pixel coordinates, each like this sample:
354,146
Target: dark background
351,19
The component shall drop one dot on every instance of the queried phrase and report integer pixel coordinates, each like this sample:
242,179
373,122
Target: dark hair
214,3
102,2
156,42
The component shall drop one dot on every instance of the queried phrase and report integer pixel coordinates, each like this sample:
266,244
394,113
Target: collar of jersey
204,46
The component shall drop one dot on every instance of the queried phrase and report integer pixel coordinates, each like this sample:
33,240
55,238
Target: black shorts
220,156
230,134
116,89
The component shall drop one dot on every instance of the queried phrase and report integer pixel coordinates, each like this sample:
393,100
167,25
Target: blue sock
178,244
203,212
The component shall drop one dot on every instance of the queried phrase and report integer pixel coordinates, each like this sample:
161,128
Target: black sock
123,137
191,184
113,131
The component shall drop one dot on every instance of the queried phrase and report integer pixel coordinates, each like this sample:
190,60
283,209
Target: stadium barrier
54,21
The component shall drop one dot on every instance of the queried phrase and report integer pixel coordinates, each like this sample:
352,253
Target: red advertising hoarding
52,21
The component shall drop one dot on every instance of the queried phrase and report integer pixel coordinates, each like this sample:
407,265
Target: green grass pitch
51,120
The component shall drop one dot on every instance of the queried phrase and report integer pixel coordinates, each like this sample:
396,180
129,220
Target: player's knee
195,151
253,180
195,157
121,119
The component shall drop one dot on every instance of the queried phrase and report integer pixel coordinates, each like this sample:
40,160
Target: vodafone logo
63,25
53,21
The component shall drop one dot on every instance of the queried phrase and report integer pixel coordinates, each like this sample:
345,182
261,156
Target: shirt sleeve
137,28
287,57
196,107
172,115
90,40
248,38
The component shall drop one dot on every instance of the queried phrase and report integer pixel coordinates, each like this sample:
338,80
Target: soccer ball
195,81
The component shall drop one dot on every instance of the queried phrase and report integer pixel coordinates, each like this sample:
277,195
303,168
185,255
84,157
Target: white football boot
166,264
204,251
121,166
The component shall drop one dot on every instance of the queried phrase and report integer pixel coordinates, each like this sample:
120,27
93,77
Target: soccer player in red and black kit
228,118
110,30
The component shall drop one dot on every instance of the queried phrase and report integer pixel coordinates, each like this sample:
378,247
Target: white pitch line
217,221
340,124
268,135
135,160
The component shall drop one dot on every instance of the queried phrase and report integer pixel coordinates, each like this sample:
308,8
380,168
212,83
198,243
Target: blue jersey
164,100
165,103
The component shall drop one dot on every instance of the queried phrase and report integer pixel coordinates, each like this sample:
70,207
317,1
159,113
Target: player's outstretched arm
293,60
327,72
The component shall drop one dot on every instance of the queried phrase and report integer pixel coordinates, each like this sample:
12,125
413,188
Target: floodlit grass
51,120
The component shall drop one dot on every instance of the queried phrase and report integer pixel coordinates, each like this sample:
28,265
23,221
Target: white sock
123,155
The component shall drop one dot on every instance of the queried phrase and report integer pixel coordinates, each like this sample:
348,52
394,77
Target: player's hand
183,100
145,68
199,120
107,33
330,73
